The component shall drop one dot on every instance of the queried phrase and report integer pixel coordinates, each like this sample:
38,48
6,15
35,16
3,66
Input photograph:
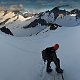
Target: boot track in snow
52,76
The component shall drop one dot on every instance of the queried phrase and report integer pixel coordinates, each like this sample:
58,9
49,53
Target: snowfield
20,57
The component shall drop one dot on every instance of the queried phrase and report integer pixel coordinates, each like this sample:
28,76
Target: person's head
56,46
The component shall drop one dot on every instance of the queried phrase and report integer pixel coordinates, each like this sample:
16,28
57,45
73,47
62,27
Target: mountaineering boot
59,70
49,70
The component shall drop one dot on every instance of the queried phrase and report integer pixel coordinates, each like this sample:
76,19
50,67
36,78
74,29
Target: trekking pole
62,76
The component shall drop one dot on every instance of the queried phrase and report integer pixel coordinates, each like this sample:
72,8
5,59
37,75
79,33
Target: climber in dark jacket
52,57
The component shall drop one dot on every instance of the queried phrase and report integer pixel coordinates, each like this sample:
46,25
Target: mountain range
28,23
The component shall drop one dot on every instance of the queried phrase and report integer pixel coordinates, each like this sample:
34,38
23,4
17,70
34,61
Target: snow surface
20,57
48,17
68,21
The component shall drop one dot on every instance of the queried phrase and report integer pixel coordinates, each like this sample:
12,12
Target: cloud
40,4
13,7
2,8
14,2
16,7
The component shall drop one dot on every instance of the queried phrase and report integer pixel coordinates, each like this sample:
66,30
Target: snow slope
68,21
20,57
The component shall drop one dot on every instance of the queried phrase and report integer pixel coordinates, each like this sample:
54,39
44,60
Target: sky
41,4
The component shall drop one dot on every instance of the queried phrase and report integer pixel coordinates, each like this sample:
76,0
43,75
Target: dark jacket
51,54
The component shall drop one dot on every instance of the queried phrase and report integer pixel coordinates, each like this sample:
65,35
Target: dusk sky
40,5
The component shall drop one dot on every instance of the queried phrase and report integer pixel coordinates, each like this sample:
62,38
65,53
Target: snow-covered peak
1,13
73,15
10,16
48,17
61,17
68,21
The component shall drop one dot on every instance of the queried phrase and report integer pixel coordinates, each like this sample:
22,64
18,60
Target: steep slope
20,57
69,51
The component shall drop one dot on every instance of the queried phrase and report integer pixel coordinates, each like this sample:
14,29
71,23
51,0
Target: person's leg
48,68
57,63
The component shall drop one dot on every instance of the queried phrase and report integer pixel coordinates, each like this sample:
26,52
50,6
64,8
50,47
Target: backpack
44,55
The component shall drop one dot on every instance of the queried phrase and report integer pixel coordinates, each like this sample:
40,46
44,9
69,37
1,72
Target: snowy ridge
11,15
63,20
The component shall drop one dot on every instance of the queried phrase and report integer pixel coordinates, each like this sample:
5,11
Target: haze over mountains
41,5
